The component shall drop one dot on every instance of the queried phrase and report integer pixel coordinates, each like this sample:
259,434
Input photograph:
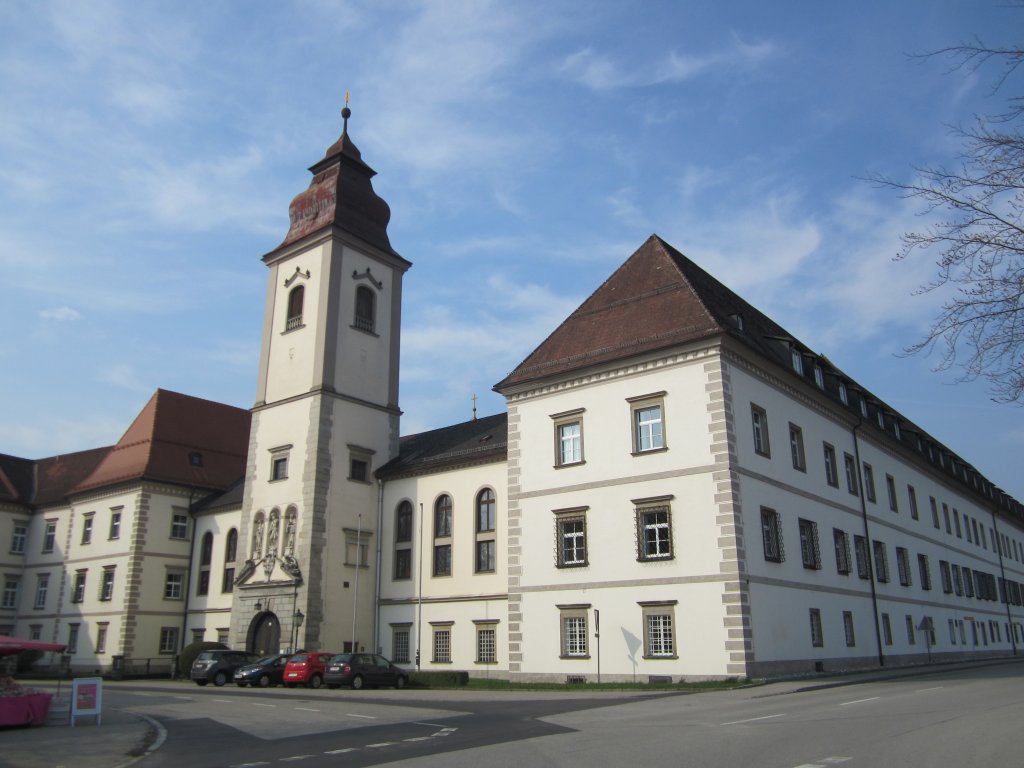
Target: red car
306,668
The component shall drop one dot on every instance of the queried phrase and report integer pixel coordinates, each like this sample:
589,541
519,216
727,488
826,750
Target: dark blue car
264,673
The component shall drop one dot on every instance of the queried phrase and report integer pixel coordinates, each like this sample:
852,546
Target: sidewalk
121,739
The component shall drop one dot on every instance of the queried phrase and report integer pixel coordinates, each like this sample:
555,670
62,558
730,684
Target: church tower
326,416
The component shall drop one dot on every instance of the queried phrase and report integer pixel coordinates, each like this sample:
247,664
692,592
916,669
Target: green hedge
439,679
189,652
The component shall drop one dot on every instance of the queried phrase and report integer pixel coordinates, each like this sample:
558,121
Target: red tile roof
165,437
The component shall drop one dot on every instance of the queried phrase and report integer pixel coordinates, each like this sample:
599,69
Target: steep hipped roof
181,440
658,298
473,442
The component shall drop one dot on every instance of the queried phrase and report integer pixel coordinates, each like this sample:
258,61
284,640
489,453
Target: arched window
486,543
295,299
205,557
403,541
366,306
230,553
485,511
443,535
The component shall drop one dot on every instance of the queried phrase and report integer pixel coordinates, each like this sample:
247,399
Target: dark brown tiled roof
162,441
479,441
17,479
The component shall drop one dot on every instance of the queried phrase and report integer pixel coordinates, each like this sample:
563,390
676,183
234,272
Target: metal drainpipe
188,581
376,589
867,543
1002,573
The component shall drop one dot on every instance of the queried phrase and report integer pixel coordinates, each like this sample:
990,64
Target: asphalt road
967,717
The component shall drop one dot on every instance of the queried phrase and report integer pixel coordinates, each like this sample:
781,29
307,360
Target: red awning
12,645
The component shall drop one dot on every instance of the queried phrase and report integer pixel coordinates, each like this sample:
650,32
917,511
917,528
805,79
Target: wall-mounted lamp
259,606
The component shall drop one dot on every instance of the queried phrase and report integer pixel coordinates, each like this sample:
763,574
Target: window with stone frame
442,642
842,548
87,522
168,640
771,534
179,523
810,554
574,631
486,543
890,488
851,640
869,483
796,448
571,537
568,437
19,537
173,582
443,527
486,642
653,529
78,588
759,422
924,571
107,583
817,638
400,643
293,318
860,551
9,597
659,629
903,566
881,561
403,541
365,318
648,417
850,465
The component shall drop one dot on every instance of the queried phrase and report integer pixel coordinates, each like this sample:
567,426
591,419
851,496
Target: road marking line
809,765
860,701
307,709
340,751
754,719
924,690
365,717
432,725
418,738
184,698
381,744
259,704
835,760
224,701
249,765
293,758
449,729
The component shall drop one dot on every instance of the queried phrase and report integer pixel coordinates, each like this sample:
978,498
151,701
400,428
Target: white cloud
123,376
60,314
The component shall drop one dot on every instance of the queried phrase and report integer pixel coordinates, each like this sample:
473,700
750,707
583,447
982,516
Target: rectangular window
443,560
648,423
831,471
571,539
87,529
886,629
817,639
654,533
809,552
115,523
851,640
851,473
952,632
173,585
19,537
72,644
903,566
168,640
568,437
9,599
50,536
771,533
842,545
278,468
881,561
107,584
956,521
659,639
968,578
947,582
967,528
945,515
574,634
485,560
486,650
198,635
403,564
227,583
400,644
759,419
890,487
78,590
912,496
179,524
223,633
358,469
924,571
935,511
860,549
958,586
42,589
442,645
796,448
357,548
974,525
869,483
101,638
203,582
911,640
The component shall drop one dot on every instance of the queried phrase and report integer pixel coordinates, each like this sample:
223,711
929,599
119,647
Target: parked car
306,668
266,672
362,669
217,666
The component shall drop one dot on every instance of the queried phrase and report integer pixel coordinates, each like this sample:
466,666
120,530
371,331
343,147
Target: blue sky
148,153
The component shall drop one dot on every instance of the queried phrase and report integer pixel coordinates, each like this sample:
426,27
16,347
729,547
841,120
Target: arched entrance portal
264,634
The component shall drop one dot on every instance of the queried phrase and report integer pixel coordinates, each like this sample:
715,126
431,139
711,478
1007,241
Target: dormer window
798,361
819,377
843,394
295,300
896,429
864,407
881,419
366,306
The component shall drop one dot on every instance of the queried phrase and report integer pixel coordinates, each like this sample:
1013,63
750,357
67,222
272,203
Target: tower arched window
295,300
366,309
443,535
486,543
403,541
230,553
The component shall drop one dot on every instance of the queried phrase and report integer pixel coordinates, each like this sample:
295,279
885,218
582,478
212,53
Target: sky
149,151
